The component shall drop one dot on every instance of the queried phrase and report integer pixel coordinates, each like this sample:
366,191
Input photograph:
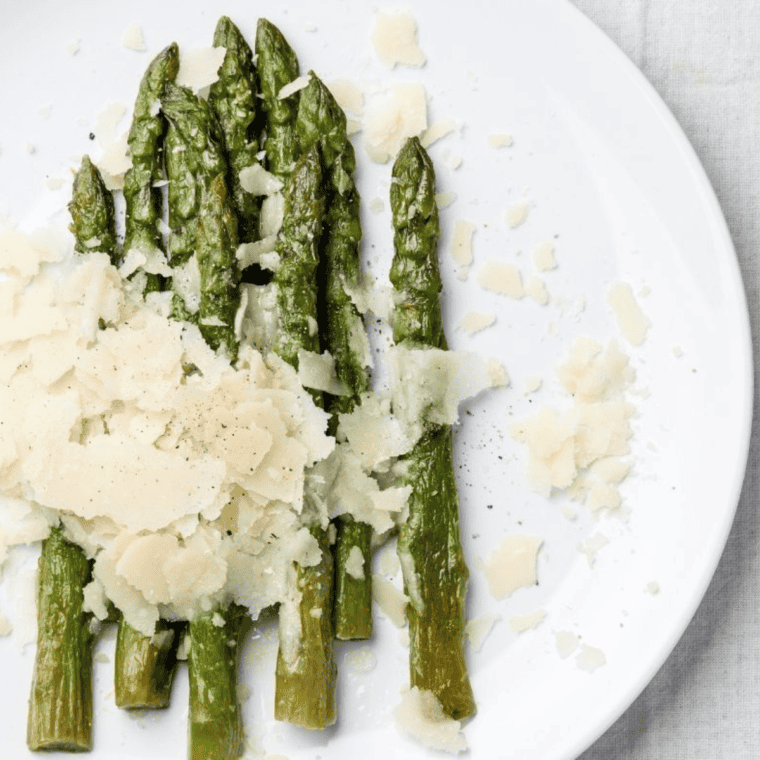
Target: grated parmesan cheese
394,116
512,565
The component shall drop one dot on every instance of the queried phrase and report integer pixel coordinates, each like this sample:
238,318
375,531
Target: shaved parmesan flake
391,600
133,39
535,288
516,215
512,565
395,40
355,563
393,117
473,321
318,371
258,181
421,716
348,96
522,623
461,246
566,643
361,660
543,257
590,658
631,320
437,131
477,630
200,68
501,278
500,140
292,87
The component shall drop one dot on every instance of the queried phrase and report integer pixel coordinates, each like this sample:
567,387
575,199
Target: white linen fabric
703,57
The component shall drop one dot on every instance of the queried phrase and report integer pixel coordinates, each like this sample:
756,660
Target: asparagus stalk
306,672
60,706
322,121
435,573
145,665
233,99
92,212
277,66
142,198
215,724
193,156
216,729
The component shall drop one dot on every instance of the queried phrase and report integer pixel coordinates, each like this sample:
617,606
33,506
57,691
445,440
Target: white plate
610,178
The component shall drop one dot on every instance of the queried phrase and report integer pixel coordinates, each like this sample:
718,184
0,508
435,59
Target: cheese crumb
200,68
477,630
516,215
395,40
133,39
444,200
361,660
543,257
653,588
501,278
73,47
395,115
536,289
522,623
592,546
631,320
391,600
295,86
5,626
377,205
590,658
437,131
566,643
420,715
512,565
500,140
461,246
531,385
348,96
355,563
474,321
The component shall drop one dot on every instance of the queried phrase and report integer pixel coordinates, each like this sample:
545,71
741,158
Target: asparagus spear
216,729
321,120
92,212
277,66
193,156
145,665
306,672
233,99
215,722
143,200
60,706
435,573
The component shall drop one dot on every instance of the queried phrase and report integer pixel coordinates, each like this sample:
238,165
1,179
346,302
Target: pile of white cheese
188,481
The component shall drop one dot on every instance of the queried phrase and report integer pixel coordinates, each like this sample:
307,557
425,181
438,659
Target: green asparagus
215,723
143,200
306,672
435,573
92,212
277,66
233,99
216,729
322,121
60,707
145,666
193,155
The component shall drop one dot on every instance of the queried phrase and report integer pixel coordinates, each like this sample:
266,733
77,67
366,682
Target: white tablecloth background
703,57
